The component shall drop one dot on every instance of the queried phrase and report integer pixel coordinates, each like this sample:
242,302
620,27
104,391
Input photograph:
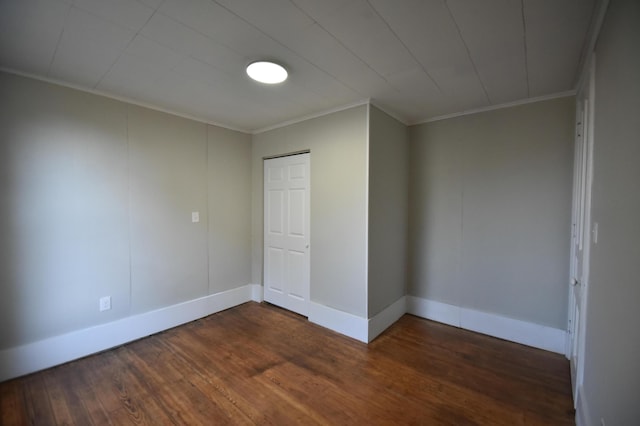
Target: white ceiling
417,59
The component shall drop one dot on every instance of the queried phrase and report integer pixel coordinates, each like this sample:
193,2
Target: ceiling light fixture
267,72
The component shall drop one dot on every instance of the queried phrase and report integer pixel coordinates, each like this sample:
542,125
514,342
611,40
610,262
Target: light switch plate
195,217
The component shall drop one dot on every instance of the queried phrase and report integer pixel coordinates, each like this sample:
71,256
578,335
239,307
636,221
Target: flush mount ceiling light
267,72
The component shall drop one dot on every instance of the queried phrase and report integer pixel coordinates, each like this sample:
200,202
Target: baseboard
257,294
387,317
36,356
526,333
582,413
436,311
339,321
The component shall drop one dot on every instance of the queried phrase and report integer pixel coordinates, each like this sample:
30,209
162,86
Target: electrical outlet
105,303
195,217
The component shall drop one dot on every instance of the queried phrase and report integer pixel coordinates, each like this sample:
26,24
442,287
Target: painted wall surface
168,181
490,211
338,146
96,198
64,239
612,375
229,189
388,210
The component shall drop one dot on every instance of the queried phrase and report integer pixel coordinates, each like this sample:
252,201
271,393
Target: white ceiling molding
124,99
597,19
565,94
311,116
390,113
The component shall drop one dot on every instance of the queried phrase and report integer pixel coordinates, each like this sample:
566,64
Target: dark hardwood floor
258,364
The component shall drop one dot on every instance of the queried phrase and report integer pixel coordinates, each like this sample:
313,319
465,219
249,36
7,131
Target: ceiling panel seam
242,18
197,31
466,47
55,51
347,49
124,50
435,83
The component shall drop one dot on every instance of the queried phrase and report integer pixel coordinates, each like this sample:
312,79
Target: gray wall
229,189
612,373
96,199
168,180
490,211
388,210
338,145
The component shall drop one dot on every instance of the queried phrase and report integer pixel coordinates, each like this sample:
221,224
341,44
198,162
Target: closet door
286,232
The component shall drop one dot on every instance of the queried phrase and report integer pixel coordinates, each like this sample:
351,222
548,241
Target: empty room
319,212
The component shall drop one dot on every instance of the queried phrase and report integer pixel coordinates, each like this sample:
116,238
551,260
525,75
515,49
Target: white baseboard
257,294
526,333
339,321
36,356
582,413
436,311
387,317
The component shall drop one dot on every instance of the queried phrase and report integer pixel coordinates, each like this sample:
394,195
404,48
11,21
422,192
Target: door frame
581,229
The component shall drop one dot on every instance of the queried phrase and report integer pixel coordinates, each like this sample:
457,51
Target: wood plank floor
258,364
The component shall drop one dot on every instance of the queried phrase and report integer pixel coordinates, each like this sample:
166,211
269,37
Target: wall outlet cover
105,303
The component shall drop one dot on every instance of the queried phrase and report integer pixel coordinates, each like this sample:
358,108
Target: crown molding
119,98
597,19
390,113
311,116
565,94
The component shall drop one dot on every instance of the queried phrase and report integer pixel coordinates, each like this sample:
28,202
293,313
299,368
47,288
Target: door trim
289,154
577,332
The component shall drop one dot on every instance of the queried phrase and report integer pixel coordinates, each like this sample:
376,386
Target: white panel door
286,232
